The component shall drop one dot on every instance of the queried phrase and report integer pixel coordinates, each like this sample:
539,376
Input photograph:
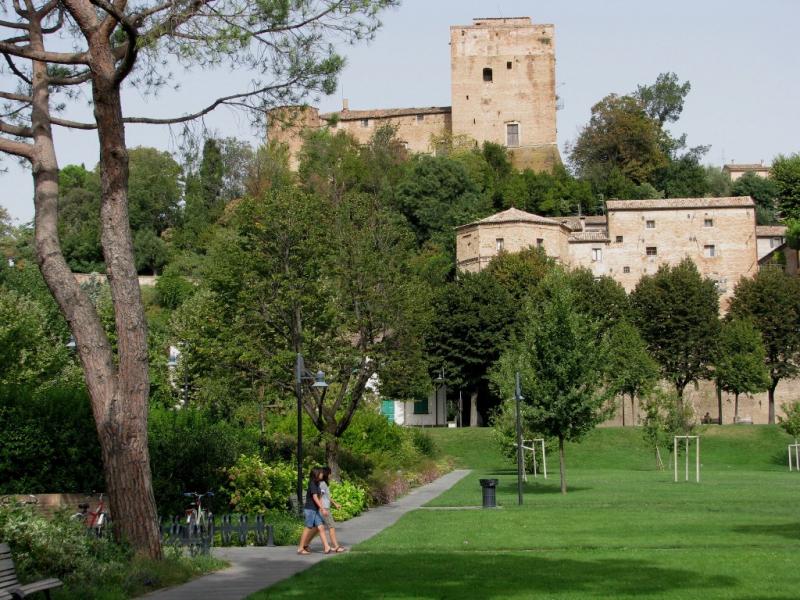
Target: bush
351,498
424,443
172,290
189,451
48,441
256,487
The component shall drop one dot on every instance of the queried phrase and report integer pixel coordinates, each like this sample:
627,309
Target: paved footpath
255,568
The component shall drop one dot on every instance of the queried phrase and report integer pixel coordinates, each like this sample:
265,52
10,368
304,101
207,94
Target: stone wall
415,130
703,399
286,124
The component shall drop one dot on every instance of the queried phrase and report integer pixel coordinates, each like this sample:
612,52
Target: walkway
255,568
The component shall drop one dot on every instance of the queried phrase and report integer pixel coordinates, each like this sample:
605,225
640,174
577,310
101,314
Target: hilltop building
502,81
633,239
735,171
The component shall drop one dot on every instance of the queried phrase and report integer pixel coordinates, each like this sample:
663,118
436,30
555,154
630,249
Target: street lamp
300,375
71,344
439,384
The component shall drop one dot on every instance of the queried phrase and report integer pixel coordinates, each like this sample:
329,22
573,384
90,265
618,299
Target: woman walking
313,512
327,518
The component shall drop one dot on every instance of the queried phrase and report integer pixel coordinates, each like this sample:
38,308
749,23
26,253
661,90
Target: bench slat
38,586
8,581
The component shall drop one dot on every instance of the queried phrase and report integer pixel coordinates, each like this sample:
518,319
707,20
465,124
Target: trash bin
489,492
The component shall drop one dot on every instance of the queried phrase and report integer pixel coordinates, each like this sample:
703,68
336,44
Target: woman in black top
313,512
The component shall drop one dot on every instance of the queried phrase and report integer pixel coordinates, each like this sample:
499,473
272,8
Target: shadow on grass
787,530
462,575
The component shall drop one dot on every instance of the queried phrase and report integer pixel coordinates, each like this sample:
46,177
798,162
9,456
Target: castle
502,81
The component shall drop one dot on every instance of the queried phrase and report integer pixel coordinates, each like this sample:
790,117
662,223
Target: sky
741,58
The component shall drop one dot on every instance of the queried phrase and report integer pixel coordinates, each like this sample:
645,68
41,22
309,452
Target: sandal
328,551
304,551
340,549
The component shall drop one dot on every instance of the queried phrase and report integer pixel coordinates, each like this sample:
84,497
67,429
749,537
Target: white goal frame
687,439
532,449
796,448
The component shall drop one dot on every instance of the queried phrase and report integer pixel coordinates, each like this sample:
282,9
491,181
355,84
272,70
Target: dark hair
315,473
326,473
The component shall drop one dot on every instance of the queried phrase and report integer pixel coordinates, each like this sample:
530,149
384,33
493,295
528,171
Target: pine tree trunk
122,422
118,393
719,403
736,408
622,404
561,464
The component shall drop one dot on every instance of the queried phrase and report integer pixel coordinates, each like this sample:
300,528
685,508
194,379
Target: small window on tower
619,239
626,269
512,135
499,244
365,122
508,64
487,74
539,242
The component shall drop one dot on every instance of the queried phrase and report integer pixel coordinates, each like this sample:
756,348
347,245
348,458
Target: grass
624,529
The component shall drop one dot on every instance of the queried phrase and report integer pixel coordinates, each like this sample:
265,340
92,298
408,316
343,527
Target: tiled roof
770,230
382,113
513,215
589,236
667,203
745,167
574,222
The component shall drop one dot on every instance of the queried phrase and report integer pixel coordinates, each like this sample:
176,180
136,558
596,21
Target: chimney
345,105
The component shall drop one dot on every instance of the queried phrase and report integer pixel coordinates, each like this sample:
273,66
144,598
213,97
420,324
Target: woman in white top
327,517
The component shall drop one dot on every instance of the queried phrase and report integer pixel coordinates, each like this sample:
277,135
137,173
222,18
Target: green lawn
623,530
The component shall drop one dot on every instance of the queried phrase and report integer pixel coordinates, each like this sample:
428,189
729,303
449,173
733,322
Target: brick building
502,80
633,239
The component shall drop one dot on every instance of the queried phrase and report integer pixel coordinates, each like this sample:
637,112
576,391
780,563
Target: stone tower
503,87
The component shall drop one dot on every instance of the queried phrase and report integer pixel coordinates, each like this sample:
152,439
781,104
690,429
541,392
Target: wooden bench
10,588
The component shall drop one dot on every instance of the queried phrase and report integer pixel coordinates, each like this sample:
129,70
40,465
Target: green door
387,409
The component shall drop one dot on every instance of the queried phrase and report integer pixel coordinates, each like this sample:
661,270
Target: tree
663,100
665,416
791,422
619,135
763,191
561,364
677,312
603,300
286,45
632,371
473,320
785,172
771,301
739,364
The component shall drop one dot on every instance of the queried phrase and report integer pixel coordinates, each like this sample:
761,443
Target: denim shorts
312,517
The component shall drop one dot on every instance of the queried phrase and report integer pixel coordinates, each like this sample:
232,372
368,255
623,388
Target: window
619,239
487,75
775,242
597,254
499,244
512,135
420,118
421,407
708,222
626,269
651,251
508,64
365,122
650,224
709,251
539,243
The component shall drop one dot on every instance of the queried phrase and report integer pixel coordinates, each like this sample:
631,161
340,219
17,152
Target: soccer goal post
534,446
687,441
794,449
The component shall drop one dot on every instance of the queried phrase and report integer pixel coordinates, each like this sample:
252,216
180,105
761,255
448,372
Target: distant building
735,171
502,81
634,239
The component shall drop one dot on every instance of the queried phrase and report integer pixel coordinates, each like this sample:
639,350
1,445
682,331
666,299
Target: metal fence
227,530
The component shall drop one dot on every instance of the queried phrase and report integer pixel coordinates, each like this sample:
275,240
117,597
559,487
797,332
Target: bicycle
96,521
196,515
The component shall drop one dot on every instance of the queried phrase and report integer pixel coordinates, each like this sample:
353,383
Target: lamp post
439,384
517,399
300,375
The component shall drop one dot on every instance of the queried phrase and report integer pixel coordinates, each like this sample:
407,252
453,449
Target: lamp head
319,381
